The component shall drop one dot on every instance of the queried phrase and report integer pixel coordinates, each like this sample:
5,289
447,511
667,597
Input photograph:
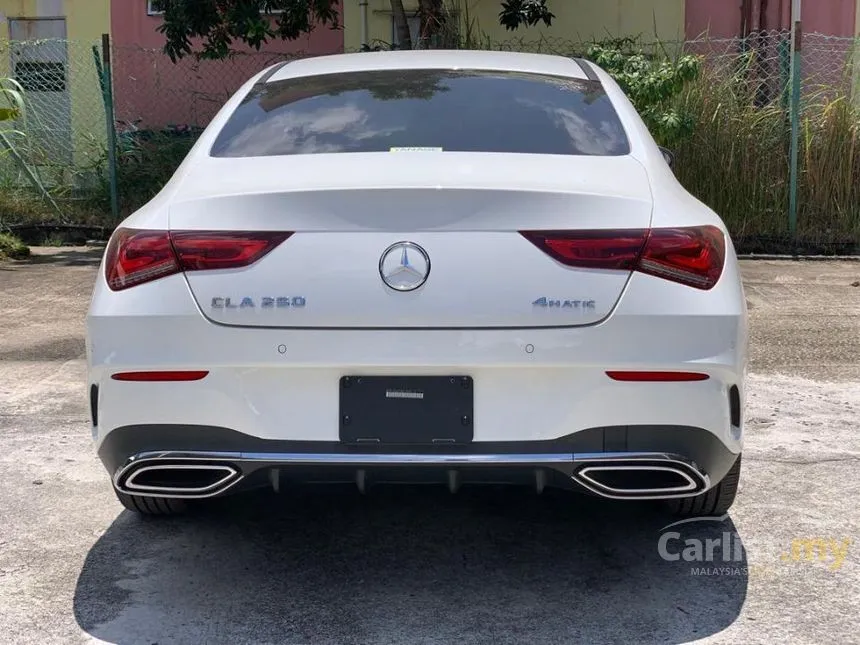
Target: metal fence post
107,89
796,49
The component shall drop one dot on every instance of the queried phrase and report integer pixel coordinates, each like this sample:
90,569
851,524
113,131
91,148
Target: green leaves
13,248
11,99
516,13
220,24
652,82
211,28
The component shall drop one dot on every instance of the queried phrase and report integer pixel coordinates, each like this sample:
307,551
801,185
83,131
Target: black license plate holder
429,410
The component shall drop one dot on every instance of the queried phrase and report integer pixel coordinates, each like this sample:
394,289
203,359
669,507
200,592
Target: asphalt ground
418,565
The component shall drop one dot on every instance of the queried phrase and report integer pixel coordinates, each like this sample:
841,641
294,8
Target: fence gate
40,63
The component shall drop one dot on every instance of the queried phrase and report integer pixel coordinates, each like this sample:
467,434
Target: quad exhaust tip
642,480
179,479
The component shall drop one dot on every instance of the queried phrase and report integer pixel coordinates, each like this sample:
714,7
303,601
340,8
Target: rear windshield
464,111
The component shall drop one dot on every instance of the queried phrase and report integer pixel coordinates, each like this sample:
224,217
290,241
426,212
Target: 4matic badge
558,303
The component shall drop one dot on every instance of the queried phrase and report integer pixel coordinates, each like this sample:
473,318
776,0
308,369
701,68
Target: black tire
152,505
716,501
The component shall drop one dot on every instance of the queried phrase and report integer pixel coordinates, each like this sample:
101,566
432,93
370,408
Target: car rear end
373,276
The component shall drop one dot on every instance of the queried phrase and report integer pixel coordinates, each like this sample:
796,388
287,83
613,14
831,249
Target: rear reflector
160,376
136,256
660,377
693,256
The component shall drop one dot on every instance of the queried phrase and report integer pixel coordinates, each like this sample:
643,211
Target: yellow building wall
575,21
86,21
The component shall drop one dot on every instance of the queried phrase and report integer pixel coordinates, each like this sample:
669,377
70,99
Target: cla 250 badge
281,302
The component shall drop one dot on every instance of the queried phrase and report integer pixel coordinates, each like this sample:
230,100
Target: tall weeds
737,161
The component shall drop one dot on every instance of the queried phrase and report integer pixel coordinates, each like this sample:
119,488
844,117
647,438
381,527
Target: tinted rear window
465,111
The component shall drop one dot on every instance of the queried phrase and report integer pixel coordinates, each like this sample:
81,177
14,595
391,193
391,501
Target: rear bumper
246,461
542,397
534,384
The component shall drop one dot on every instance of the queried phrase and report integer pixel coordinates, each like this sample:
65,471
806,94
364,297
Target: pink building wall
828,28
148,86
722,18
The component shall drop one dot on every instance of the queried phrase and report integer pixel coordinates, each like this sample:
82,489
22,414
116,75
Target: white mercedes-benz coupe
436,266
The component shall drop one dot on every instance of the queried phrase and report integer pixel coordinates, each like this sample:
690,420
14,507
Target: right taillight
137,256
693,256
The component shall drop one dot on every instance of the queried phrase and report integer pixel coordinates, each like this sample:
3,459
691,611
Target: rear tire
716,501
152,505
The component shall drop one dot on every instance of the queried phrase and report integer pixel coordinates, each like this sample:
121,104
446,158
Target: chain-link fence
736,159
150,91
53,150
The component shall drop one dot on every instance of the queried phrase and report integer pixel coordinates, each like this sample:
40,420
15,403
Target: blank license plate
406,409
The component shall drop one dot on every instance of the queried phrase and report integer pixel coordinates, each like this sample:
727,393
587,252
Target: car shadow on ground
404,565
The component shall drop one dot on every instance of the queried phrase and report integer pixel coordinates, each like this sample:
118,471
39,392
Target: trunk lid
464,211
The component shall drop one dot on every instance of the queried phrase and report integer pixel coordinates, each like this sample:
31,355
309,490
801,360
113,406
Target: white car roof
430,59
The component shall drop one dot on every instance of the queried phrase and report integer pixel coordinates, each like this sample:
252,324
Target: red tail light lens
693,256
137,256
222,250
591,249
134,257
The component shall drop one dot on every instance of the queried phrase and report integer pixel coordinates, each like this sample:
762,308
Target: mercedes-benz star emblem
404,266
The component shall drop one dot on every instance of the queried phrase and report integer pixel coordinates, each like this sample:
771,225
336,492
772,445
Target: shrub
732,145
652,80
147,161
11,247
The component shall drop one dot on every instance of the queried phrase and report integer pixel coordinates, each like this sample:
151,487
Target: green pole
107,86
796,49
784,73
99,70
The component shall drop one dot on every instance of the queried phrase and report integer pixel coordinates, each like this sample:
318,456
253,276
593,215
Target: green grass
26,206
12,248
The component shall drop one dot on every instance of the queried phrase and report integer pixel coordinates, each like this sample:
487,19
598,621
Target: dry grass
737,162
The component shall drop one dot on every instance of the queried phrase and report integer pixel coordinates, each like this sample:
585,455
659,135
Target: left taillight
137,256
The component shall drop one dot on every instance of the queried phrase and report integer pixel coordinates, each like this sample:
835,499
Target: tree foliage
218,24
211,28
652,82
516,13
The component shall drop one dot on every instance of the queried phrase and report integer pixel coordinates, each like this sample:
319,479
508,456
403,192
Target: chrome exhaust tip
177,479
642,479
